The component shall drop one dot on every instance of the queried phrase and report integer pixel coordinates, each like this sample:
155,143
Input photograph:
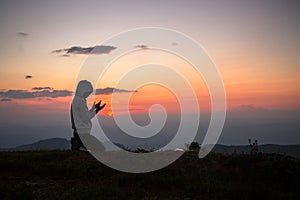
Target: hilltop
69,175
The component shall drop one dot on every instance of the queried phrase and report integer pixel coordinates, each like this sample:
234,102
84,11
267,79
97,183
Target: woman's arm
85,114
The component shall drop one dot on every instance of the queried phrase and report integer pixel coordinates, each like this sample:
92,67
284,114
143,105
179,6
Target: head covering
84,89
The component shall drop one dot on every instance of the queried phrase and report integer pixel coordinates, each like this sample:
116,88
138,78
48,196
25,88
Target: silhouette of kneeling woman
81,118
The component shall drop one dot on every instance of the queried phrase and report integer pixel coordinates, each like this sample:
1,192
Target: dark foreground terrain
69,175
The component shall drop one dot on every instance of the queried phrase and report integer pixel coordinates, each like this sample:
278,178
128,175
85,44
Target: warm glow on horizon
110,114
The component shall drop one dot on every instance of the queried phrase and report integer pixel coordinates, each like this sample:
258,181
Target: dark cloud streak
97,50
5,99
42,88
109,90
22,34
25,94
28,76
141,46
49,92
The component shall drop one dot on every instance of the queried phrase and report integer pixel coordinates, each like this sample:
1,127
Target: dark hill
47,144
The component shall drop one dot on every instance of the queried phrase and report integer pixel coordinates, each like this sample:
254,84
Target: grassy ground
68,175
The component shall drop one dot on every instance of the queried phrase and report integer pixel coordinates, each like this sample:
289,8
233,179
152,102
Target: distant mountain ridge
47,144
64,144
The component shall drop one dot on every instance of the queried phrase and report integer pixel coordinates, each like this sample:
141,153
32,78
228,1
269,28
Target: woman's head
84,89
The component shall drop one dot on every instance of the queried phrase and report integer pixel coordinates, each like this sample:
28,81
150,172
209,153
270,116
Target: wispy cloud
42,88
5,99
65,55
141,46
110,90
102,49
22,34
25,94
17,94
49,92
246,108
28,76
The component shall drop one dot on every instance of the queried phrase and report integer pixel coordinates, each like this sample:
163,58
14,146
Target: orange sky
254,45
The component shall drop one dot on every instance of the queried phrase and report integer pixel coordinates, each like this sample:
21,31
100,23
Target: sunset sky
255,45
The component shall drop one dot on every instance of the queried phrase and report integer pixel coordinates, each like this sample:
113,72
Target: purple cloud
102,49
109,90
6,99
22,34
49,92
141,46
42,88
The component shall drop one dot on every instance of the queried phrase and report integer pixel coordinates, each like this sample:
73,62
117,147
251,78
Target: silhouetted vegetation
194,146
253,146
78,175
135,150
